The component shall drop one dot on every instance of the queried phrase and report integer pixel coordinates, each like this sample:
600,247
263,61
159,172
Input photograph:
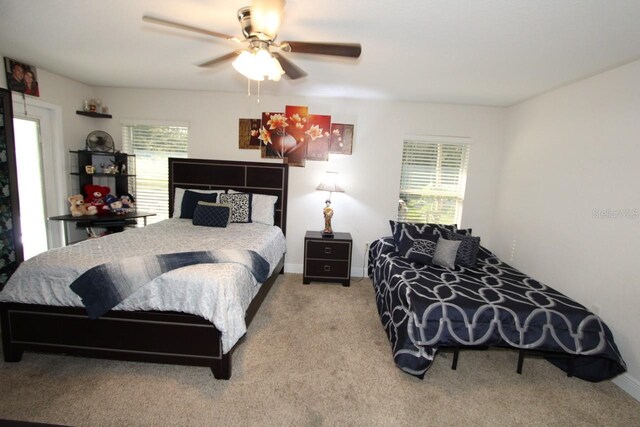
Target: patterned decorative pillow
468,252
412,231
446,252
190,201
422,250
464,231
240,206
262,207
211,214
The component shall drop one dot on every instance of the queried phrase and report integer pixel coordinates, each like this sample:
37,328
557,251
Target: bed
142,328
429,308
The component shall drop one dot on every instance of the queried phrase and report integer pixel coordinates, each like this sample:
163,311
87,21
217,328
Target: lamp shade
329,183
258,64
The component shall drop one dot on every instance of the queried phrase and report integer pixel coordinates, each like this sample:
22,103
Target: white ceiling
490,52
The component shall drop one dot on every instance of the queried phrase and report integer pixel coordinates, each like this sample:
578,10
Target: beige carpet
314,355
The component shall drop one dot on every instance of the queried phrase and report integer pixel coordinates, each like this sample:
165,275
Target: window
433,179
153,144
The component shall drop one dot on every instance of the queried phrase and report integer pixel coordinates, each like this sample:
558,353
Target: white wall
370,176
570,152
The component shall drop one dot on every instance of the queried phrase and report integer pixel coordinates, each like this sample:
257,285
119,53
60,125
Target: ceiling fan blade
351,50
154,20
220,59
290,69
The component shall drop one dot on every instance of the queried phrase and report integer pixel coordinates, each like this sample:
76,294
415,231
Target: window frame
439,141
127,123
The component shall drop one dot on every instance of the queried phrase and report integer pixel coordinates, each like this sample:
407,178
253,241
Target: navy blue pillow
420,250
412,230
467,255
211,214
190,201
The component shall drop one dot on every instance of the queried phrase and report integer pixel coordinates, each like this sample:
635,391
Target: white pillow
179,194
262,207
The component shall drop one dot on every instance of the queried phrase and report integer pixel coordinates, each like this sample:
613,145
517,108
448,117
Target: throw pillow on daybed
240,206
467,255
446,252
412,230
211,214
190,200
420,250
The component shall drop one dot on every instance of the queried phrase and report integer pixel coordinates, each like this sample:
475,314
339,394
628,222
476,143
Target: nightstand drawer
328,249
327,269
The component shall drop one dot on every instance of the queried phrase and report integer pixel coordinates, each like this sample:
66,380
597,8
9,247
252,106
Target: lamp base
327,235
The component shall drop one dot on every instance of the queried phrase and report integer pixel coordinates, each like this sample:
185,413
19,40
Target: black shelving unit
119,183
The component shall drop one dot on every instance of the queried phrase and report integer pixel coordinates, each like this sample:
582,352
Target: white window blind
432,182
153,145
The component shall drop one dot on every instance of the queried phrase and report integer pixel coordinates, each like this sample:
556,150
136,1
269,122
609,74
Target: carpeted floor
314,355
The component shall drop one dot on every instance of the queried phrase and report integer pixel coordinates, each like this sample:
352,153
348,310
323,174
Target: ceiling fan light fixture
257,65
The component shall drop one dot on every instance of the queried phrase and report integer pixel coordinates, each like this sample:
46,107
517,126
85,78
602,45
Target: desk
112,222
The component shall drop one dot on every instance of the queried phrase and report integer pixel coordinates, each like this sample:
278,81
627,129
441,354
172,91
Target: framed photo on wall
21,77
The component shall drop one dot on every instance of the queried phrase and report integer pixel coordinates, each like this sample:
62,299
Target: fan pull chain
248,87
258,91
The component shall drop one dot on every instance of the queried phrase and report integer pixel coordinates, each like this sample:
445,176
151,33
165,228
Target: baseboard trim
293,268
629,384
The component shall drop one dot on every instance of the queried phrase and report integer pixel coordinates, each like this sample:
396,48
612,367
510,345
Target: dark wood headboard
249,177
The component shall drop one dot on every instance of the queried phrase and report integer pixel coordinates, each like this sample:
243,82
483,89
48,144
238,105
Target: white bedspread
219,293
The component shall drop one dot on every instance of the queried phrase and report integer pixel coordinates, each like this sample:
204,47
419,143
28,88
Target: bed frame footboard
143,336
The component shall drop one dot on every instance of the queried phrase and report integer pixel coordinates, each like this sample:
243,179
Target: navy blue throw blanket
104,286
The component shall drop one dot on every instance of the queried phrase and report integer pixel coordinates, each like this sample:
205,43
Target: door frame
54,170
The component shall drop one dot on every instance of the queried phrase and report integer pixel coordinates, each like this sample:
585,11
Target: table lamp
329,184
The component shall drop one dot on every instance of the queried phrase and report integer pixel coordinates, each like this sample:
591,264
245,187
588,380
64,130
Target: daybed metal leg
222,368
571,367
520,361
456,353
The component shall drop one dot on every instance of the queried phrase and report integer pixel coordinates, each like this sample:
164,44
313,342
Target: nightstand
327,259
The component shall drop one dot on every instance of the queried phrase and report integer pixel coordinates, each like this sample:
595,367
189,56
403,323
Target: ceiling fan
261,56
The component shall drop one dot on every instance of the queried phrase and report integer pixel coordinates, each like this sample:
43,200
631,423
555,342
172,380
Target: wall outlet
514,244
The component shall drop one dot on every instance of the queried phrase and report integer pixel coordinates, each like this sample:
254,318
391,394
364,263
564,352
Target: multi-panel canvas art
295,136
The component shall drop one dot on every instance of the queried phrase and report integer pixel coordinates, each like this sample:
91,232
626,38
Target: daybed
427,308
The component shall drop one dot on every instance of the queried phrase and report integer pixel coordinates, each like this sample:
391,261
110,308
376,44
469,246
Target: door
39,186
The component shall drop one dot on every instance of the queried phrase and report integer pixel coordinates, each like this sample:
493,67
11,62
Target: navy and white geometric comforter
493,304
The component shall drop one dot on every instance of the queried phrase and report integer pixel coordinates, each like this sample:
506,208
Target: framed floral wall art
249,131
341,138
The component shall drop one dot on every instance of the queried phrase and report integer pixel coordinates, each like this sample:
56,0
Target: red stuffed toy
95,195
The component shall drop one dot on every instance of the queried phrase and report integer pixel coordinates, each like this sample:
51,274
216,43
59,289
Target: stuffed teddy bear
79,208
95,195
